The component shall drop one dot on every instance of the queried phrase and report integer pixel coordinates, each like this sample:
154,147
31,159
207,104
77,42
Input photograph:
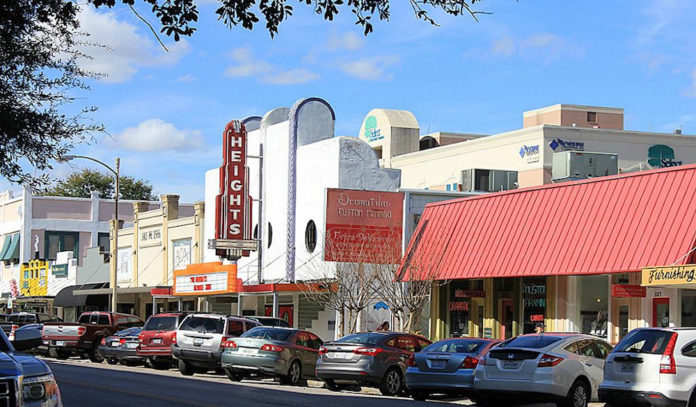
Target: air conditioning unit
574,165
483,180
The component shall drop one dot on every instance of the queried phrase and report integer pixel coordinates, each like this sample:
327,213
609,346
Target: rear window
456,346
645,341
84,319
160,324
367,338
533,342
203,325
268,333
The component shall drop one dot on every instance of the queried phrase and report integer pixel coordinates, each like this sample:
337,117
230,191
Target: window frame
61,243
101,235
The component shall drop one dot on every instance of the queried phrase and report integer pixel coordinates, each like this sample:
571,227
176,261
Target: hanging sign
669,275
627,291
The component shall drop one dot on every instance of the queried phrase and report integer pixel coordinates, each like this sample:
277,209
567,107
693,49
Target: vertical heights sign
232,204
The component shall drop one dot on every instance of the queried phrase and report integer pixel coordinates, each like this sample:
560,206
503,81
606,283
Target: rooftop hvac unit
572,165
482,180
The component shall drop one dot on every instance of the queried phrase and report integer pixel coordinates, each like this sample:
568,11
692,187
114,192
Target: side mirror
27,339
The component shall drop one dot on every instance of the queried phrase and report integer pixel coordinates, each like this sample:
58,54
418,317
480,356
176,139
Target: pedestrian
384,326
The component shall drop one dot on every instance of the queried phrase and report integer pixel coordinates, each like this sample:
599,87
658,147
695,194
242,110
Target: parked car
557,367
42,349
201,338
121,346
290,354
446,367
26,380
157,337
270,321
86,334
369,359
652,366
19,319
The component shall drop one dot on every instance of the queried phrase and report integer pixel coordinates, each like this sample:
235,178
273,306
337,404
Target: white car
652,366
550,367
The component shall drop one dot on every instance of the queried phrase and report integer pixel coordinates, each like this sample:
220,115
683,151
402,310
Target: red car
157,337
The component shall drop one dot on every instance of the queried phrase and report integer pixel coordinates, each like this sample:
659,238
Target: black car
271,321
121,347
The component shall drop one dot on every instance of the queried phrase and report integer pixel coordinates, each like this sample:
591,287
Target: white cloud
158,135
248,66
546,46
504,47
349,41
370,68
121,48
187,78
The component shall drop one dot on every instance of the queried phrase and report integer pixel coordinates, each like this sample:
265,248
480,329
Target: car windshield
268,333
160,324
366,338
456,346
644,341
533,341
129,332
203,325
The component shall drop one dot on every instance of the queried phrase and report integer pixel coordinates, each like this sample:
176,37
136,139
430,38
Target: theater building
580,256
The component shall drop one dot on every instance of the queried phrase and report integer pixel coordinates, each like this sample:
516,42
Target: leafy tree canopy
81,184
179,16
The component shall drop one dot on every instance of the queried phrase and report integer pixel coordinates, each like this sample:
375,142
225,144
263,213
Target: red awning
607,225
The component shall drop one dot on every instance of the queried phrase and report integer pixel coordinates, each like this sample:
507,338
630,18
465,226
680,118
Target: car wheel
294,376
419,395
94,354
112,361
186,369
692,400
578,395
331,385
234,376
62,354
159,365
392,382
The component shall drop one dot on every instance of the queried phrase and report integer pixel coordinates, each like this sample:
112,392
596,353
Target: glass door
661,312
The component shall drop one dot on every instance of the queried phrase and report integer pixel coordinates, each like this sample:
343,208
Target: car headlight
40,388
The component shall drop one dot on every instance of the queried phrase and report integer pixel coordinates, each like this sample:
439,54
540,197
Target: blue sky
164,112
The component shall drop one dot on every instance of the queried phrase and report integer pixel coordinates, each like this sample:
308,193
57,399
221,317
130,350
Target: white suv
652,366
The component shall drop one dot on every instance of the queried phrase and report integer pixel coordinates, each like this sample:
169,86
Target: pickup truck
85,335
14,321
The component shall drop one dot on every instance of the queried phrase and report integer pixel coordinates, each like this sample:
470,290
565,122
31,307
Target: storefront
564,257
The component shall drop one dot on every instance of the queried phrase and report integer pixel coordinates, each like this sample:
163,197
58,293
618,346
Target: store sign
469,294
33,280
627,291
205,279
558,144
372,132
161,292
534,302
59,270
150,236
459,306
123,267
669,275
363,226
661,156
530,154
232,204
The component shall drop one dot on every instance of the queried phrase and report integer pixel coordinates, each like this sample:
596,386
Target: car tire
112,361
331,385
94,354
294,376
158,364
419,395
234,376
62,354
186,369
578,395
392,383
692,400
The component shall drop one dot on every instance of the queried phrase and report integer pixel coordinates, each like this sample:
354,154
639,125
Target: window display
593,302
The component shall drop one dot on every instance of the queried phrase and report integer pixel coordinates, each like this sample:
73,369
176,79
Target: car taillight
667,363
368,351
227,342
272,348
173,337
103,342
469,362
323,351
14,328
122,341
81,330
141,337
549,361
411,361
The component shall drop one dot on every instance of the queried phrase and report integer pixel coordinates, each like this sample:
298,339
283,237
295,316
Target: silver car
369,359
201,338
652,366
562,368
290,354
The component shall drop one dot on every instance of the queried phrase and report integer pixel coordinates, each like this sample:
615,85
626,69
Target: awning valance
67,298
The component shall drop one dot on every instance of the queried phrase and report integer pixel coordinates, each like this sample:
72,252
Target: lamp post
114,254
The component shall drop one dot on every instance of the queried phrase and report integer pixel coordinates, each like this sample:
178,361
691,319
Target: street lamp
114,254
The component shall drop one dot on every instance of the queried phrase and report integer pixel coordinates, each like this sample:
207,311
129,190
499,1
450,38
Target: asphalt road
85,384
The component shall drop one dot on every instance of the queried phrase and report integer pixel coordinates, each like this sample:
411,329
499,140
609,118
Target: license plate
248,351
628,368
131,345
60,343
115,344
438,364
157,341
198,342
511,365
339,355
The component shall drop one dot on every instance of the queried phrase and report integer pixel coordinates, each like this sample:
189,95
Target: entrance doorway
661,312
619,317
284,312
477,307
506,313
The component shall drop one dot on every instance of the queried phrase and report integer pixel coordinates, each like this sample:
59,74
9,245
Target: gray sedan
290,354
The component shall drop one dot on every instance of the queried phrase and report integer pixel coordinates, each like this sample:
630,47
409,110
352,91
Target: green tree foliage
80,184
178,17
38,72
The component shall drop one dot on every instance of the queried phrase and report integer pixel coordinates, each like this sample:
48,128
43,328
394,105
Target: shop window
688,308
311,236
103,242
61,241
593,300
592,117
459,305
534,305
